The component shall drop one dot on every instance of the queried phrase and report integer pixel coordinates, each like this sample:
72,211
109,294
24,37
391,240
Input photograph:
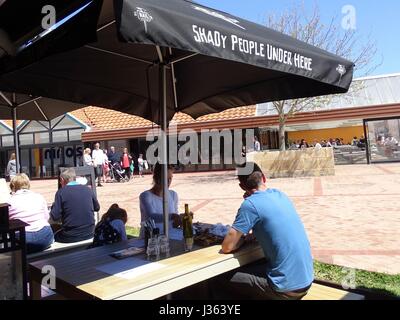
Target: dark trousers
71,235
128,173
99,173
248,283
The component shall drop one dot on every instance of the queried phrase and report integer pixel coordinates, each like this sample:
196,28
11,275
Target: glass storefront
45,146
383,137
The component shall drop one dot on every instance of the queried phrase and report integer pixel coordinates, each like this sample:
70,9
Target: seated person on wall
287,271
111,228
74,205
31,208
151,201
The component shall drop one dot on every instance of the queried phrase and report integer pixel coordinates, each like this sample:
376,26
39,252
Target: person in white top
257,145
87,158
31,208
317,145
151,201
98,160
140,165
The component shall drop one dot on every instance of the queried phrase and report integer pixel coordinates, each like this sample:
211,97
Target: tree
307,26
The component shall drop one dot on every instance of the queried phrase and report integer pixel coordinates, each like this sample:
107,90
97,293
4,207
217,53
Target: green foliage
378,282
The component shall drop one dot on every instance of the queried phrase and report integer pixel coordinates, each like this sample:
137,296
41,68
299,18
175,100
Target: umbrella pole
15,132
164,153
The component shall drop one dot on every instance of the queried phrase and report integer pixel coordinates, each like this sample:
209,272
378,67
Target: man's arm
56,209
233,240
96,204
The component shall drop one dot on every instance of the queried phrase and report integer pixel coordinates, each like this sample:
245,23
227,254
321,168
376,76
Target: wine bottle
187,227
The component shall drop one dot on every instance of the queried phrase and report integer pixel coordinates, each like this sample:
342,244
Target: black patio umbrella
153,58
19,106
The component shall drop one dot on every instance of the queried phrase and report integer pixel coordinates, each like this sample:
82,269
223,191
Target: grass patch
132,231
377,282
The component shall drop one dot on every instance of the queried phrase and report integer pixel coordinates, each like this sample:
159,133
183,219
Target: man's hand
176,221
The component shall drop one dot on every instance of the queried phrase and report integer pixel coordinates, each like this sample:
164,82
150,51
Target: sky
379,20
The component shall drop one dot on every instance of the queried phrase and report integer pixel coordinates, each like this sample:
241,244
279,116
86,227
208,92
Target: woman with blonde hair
31,208
87,158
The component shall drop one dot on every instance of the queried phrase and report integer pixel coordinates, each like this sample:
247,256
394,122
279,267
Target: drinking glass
163,242
153,249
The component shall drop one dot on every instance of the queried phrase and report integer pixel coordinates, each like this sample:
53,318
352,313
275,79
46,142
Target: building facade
370,109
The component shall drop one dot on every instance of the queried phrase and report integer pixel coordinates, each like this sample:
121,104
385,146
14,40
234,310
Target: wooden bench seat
58,248
320,292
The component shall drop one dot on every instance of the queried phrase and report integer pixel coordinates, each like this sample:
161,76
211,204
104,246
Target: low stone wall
295,163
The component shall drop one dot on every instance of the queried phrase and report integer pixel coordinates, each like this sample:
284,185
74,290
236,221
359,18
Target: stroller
117,173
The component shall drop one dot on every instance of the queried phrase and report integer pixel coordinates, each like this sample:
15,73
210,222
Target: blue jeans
39,240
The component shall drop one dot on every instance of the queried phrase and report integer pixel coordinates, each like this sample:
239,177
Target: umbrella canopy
215,61
153,58
29,107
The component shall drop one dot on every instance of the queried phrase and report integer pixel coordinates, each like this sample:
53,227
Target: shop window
7,141
4,130
75,135
65,123
26,139
42,137
384,140
60,136
34,126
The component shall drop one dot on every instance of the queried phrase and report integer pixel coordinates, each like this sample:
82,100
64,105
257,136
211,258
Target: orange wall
324,134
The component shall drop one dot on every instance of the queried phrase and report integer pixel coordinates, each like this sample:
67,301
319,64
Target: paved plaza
352,218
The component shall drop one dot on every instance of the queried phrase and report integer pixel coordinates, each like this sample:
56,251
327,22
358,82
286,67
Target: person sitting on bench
286,273
74,205
31,208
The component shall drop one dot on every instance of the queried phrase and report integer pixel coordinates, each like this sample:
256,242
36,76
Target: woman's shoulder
146,194
173,193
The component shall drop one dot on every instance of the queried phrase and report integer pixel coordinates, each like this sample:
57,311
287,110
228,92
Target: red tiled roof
104,119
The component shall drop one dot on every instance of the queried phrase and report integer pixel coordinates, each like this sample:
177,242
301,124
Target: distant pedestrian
11,170
87,158
140,165
98,160
126,161
257,145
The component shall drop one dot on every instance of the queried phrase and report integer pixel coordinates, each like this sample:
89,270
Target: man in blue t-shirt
287,270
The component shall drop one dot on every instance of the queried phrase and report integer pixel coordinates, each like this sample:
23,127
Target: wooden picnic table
94,274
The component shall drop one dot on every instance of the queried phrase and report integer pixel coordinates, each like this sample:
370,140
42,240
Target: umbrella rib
119,54
185,58
29,101
41,111
6,99
106,26
174,82
174,87
160,55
